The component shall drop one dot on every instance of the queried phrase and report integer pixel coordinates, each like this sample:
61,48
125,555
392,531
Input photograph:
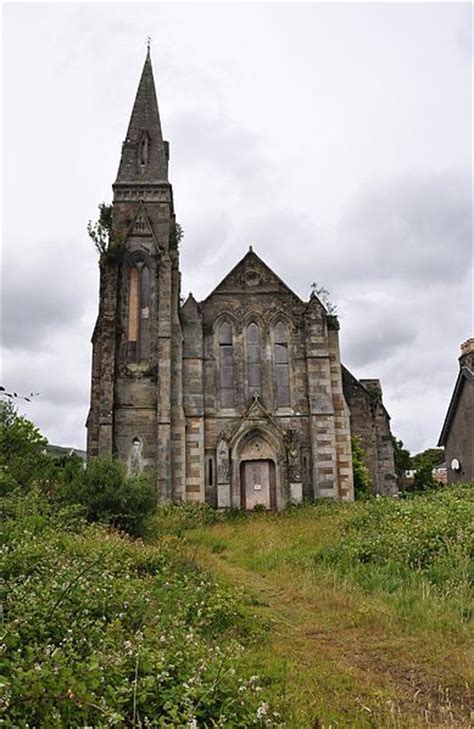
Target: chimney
467,354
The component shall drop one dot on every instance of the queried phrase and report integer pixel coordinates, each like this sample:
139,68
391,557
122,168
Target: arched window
226,365
139,313
144,329
281,365
254,366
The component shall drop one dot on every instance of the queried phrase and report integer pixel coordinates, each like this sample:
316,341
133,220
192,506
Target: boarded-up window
139,313
133,296
254,366
282,374
144,329
226,363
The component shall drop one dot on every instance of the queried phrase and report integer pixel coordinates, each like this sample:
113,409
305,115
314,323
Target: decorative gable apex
257,415
141,224
251,275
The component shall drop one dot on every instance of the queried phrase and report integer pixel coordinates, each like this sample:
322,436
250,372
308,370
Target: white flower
262,710
192,724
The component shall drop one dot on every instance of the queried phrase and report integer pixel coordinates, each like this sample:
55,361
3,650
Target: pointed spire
144,153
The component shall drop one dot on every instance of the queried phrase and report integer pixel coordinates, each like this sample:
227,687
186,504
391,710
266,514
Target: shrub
23,457
424,480
100,630
362,480
388,543
108,495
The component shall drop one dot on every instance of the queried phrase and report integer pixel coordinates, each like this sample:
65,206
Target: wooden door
258,484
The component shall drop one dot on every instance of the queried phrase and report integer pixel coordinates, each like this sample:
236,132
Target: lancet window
254,360
282,374
226,365
139,313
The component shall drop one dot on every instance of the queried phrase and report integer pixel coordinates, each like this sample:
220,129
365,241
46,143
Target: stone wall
371,423
310,437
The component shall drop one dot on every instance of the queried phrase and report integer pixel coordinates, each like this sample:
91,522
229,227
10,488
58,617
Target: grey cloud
45,288
213,141
415,229
375,332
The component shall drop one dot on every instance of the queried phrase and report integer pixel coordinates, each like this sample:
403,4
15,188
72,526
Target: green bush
24,461
388,543
108,495
424,480
362,480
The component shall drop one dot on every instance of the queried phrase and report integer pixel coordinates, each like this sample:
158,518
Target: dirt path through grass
336,656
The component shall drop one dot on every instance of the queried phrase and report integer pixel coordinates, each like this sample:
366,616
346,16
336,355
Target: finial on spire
148,44
250,249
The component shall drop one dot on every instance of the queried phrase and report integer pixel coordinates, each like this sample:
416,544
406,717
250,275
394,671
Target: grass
329,615
370,603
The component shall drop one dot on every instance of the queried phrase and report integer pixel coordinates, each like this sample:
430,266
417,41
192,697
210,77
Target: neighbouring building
237,400
457,435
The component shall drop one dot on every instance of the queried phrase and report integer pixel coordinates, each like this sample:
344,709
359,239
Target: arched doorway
257,459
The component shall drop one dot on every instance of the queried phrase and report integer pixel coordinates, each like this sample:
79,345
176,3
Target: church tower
136,408
238,400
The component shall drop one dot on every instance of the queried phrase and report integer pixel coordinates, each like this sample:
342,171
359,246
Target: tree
362,480
100,232
402,458
424,480
434,456
23,457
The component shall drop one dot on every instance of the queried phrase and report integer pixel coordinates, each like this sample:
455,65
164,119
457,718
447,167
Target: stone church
237,400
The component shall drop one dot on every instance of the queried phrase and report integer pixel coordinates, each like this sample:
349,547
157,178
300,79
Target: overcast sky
334,138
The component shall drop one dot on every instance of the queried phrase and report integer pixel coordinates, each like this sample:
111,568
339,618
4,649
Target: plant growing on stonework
100,233
176,235
325,297
362,480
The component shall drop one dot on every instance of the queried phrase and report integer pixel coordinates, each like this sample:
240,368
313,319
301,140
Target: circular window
252,278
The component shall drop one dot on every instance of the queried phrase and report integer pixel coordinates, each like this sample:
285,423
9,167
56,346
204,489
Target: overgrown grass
371,603
100,630
418,550
368,605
